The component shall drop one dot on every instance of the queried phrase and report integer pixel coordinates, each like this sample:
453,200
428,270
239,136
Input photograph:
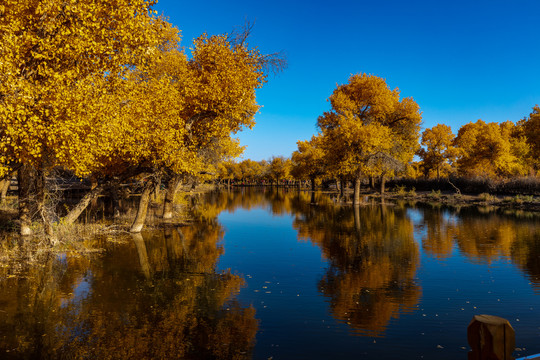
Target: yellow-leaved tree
488,150
49,50
103,89
216,93
308,160
531,126
369,130
438,150
279,168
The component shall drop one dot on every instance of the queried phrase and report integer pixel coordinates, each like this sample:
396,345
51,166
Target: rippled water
268,274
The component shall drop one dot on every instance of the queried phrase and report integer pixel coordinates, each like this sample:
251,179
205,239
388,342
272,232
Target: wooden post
490,338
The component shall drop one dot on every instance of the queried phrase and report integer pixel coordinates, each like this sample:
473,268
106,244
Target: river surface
277,274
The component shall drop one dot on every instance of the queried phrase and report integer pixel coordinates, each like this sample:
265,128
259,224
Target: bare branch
239,35
271,63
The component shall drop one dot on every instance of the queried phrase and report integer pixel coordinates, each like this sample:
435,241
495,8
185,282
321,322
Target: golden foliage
369,131
488,149
308,160
439,149
103,87
531,127
51,49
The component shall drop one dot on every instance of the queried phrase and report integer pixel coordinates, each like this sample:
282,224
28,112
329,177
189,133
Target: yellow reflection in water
157,296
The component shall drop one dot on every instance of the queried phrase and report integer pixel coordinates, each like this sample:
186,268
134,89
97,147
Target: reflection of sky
81,290
282,276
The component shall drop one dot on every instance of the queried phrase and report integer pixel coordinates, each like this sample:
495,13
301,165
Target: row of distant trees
370,133
103,90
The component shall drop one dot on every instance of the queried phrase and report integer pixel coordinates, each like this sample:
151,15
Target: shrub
487,197
400,190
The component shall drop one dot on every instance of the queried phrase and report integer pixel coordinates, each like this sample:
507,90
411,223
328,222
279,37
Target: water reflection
484,236
373,250
160,294
373,259
157,295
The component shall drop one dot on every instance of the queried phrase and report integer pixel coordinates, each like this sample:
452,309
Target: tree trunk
114,192
356,195
140,218
4,187
74,213
168,201
383,183
312,184
157,189
25,176
372,182
342,187
41,197
299,184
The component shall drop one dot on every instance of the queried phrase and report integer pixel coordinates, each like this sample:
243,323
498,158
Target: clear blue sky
460,60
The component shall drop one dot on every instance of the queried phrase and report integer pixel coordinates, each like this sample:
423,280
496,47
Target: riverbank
87,237
450,199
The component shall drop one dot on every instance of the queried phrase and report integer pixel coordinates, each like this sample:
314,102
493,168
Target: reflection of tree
277,200
482,236
526,253
33,306
440,232
485,235
157,297
371,249
373,260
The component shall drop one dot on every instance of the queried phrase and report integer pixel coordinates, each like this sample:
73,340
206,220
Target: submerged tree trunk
357,219
143,254
140,218
356,195
168,201
74,213
25,177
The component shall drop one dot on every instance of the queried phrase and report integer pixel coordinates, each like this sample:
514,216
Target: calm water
266,274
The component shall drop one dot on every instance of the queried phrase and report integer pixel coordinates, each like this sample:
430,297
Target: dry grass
528,185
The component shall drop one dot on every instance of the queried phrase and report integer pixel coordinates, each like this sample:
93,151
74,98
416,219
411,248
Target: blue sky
460,60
